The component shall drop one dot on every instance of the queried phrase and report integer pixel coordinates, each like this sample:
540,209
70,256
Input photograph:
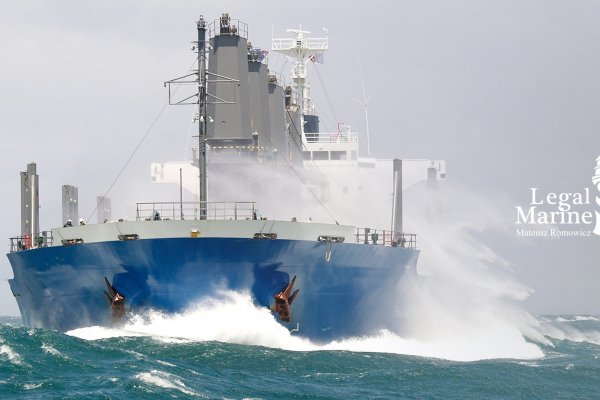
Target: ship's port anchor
116,301
328,252
283,301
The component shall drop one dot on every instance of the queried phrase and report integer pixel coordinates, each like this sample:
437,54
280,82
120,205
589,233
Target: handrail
221,210
227,26
25,242
386,238
306,43
331,137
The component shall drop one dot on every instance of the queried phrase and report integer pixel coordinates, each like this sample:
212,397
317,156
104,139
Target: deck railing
386,238
218,211
227,26
26,242
223,210
335,137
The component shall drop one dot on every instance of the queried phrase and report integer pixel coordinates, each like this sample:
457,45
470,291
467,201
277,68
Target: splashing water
573,328
231,317
165,380
8,354
463,304
234,318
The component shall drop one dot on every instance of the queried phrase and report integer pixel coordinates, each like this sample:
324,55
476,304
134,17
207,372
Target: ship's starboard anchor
283,301
329,240
116,301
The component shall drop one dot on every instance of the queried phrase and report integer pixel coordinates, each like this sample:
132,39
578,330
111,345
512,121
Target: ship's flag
317,58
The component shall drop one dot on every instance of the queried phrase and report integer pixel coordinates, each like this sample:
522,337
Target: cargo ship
322,280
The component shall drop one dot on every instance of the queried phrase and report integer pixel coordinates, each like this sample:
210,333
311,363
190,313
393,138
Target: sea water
206,353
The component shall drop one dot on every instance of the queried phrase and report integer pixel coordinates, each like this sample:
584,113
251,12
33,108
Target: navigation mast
202,115
300,50
199,98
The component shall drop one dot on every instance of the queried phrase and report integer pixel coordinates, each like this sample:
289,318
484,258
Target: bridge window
320,155
338,155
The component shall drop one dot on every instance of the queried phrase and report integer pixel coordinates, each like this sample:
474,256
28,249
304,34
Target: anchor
116,301
283,301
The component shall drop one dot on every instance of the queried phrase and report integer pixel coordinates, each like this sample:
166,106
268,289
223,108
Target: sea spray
464,301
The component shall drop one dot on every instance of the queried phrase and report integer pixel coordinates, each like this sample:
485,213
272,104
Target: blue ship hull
62,287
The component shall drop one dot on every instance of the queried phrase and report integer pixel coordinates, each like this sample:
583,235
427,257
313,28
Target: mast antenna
365,104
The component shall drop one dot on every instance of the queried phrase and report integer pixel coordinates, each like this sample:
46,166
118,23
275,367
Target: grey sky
508,92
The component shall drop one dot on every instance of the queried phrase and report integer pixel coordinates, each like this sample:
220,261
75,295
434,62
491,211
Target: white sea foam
165,380
51,350
469,348
168,364
31,386
100,332
574,318
563,329
586,318
231,318
8,353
